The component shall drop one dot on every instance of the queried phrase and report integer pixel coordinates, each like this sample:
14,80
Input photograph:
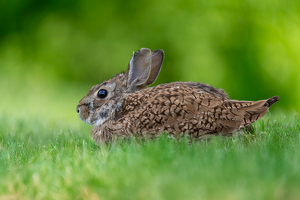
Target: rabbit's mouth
94,118
87,120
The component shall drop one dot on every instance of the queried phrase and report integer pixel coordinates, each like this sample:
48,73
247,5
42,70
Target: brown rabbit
124,106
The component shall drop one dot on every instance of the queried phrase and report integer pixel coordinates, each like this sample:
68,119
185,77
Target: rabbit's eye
102,93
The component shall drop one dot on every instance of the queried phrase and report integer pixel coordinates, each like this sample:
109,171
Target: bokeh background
53,51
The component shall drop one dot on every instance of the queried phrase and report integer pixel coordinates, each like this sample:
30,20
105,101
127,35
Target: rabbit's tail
271,101
247,112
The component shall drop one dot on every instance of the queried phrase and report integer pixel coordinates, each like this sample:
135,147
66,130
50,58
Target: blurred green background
53,51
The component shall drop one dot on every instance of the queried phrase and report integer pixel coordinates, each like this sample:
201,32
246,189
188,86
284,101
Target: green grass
49,160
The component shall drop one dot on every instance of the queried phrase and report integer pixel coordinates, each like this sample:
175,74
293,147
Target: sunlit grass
41,160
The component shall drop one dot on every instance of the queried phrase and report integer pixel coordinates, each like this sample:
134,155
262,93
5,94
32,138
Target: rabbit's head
106,98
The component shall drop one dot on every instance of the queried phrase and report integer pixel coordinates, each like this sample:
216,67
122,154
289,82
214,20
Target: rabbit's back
176,108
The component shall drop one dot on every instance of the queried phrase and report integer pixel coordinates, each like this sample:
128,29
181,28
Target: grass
46,160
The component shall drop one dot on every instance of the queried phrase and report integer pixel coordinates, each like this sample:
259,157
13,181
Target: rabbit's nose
77,109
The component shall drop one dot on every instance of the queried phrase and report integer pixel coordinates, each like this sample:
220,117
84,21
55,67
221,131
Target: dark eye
102,93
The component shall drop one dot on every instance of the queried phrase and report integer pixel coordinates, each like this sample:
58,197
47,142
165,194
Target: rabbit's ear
139,68
157,60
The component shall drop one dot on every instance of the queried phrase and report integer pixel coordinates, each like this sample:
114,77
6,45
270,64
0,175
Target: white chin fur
86,121
99,122
91,122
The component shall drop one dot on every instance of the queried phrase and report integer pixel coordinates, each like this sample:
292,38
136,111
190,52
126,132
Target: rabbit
124,106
